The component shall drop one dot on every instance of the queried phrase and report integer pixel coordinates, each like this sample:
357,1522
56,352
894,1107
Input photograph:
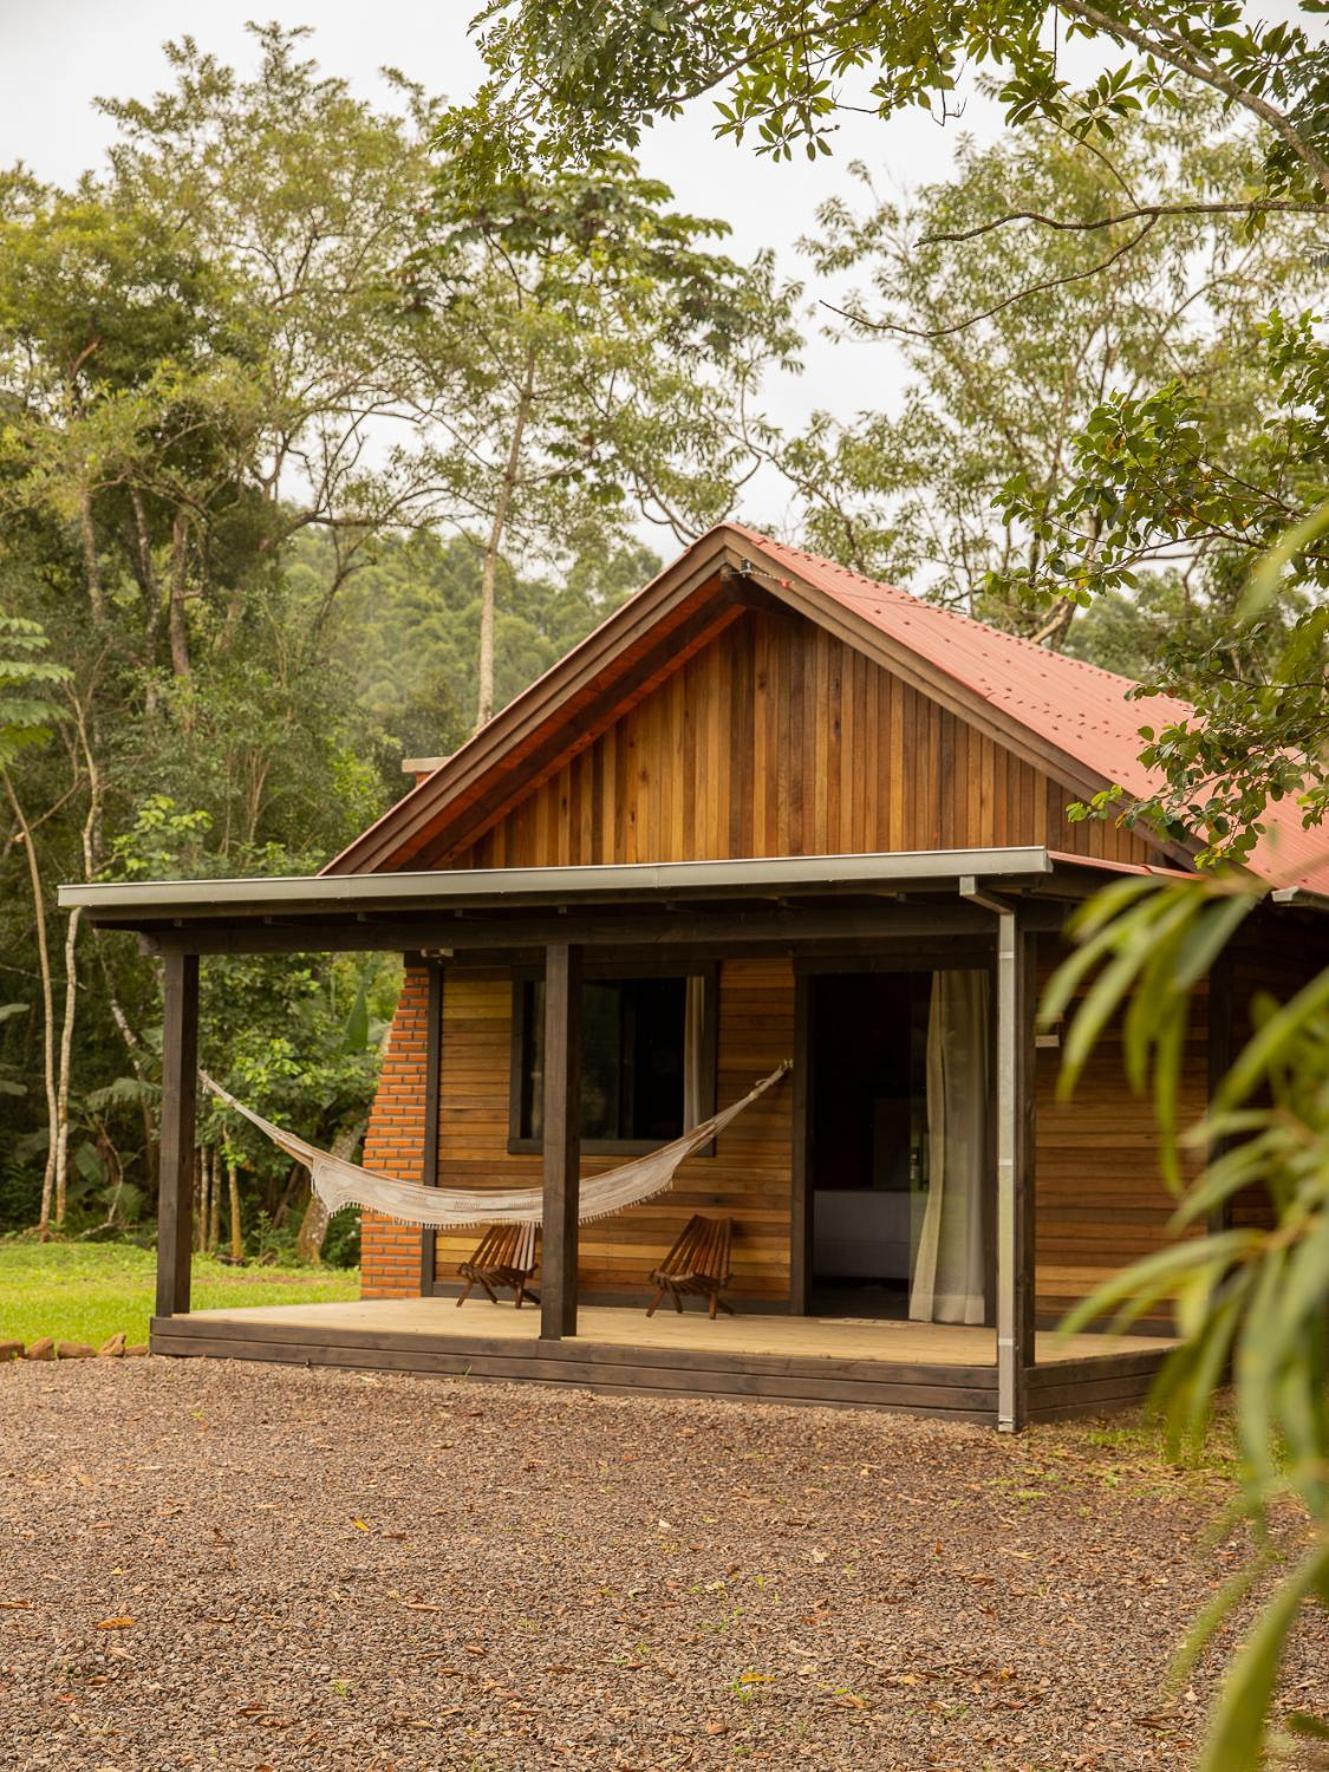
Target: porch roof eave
143,904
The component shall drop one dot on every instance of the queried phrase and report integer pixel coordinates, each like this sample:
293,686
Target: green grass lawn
87,1291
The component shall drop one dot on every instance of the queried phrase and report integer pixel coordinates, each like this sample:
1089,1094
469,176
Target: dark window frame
707,970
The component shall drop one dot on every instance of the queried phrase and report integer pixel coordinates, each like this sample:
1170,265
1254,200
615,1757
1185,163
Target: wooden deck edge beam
1144,1363
588,1353
654,1381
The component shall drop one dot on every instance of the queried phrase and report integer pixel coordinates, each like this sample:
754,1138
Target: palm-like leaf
1250,1300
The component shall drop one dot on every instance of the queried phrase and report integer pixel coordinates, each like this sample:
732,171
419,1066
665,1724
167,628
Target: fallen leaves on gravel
796,1616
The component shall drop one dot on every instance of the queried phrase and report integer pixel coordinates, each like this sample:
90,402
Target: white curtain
949,1267
694,1046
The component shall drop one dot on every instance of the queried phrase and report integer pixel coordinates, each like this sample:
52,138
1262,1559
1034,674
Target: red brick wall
390,1252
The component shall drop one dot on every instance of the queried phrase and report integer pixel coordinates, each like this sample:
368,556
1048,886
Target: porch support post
1010,1390
562,1141
1015,1188
175,1190
1013,1103
433,1110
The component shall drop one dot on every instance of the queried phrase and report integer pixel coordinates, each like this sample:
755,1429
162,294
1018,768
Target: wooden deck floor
933,1369
832,1338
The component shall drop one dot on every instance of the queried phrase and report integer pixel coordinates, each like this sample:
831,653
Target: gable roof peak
1073,719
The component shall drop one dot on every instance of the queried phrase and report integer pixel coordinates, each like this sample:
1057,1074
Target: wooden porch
919,1368
892,911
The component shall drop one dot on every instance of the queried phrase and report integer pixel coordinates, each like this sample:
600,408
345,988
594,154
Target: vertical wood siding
779,739
776,739
1269,957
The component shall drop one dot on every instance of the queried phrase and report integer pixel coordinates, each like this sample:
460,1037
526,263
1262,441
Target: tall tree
204,353
28,711
619,359
1002,385
303,198
249,369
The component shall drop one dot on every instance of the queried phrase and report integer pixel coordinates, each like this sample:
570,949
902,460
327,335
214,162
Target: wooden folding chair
505,1257
698,1262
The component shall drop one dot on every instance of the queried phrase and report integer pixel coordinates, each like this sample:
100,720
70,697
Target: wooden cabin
768,810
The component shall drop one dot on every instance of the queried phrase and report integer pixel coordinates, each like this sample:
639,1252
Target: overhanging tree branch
987,313
1170,46
1155,210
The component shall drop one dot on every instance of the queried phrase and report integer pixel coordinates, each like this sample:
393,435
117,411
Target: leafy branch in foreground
569,80
1251,1300
1180,487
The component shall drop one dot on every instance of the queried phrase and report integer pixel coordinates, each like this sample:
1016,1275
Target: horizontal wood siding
1073,1388
778,739
1101,1201
748,1179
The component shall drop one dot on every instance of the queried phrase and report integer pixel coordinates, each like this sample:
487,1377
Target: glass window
633,1061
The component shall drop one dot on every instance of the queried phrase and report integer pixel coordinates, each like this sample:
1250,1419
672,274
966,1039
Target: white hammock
339,1183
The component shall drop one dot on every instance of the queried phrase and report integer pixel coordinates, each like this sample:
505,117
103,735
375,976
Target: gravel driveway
208,1564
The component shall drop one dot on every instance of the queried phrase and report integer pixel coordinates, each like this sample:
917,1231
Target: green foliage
570,80
620,358
1257,1299
411,632
161,843
251,370
1016,336
1177,475
27,712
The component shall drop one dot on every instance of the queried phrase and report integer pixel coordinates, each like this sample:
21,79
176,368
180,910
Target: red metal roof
1078,707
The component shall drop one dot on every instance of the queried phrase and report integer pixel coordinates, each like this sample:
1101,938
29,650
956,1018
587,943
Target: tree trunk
313,1229
289,1194
178,626
205,1203
214,1215
66,1060
1054,630
494,547
200,1197
314,1224
92,566
137,1058
91,845
48,1008
147,577
236,1226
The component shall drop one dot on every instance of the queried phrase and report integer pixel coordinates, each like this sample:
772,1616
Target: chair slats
698,1263
505,1257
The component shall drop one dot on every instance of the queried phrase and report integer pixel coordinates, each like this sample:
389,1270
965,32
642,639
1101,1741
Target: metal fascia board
384,891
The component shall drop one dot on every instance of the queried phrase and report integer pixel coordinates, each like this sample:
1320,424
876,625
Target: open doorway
898,1151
